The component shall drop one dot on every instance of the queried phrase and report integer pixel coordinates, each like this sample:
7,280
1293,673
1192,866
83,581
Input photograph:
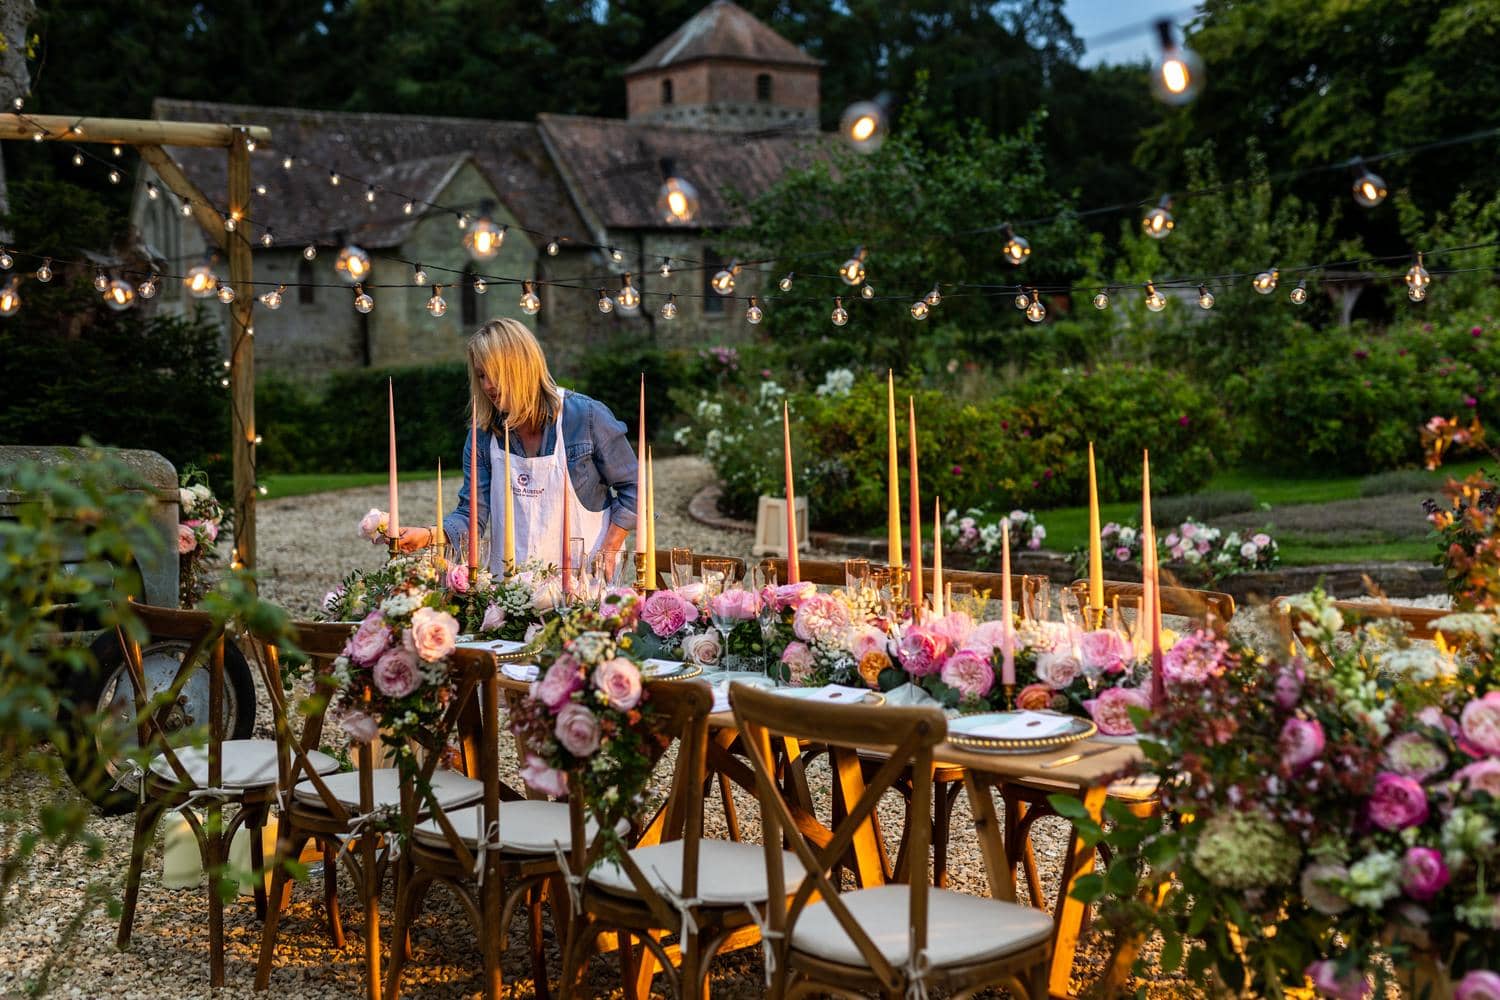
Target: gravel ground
307,544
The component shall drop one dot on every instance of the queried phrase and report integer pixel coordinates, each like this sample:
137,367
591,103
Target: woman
553,433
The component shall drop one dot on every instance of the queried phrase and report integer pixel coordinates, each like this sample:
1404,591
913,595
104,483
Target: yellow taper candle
915,501
437,533
793,570
893,482
1096,546
508,553
640,472
937,558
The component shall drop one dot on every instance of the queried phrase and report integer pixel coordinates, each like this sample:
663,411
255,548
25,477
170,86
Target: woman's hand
412,539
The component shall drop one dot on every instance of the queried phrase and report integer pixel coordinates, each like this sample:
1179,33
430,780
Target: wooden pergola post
148,136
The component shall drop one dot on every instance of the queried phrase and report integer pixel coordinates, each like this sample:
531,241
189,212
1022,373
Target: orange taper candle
916,509
793,571
474,492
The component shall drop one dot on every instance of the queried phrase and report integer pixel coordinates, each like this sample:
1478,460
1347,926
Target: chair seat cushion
526,827
729,873
246,764
451,788
961,929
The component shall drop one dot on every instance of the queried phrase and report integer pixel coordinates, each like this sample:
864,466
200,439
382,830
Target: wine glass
682,567
1040,594
716,575
458,549
856,574
719,612
577,570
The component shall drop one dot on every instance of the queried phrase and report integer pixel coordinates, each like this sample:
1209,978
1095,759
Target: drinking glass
1039,606
682,567
458,551
724,623
577,567
856,574
961,597
716,574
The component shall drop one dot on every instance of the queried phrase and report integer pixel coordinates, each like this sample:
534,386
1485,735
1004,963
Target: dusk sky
1123,27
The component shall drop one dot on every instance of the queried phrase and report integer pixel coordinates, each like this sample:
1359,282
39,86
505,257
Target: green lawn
301,484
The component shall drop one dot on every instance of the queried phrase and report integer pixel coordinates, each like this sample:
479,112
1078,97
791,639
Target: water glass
717,574
856,574
1038,604
682,567
458,550
763,575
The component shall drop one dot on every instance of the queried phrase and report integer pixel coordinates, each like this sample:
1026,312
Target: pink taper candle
937,558
567,529
1008,624
915,506
393,528
474,493
640,473
893,480
793,571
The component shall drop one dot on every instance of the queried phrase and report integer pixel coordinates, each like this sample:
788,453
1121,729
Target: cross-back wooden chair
1418,621
1207,608
220,772
664,563
898,939
710,894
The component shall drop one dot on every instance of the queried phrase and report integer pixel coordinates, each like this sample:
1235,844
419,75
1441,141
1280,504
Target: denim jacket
601,465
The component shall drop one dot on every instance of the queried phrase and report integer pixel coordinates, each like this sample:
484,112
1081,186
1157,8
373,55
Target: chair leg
255,827
331,893
626,949
146,815
286,842
406,893
943,801
537,943
213,863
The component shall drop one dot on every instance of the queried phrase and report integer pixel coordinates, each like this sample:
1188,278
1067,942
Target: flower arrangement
375,526
815,638
1196,550
970,532
508,607
200,518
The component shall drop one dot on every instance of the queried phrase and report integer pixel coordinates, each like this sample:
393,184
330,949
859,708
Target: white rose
1248,550
702,649
187,499
202,492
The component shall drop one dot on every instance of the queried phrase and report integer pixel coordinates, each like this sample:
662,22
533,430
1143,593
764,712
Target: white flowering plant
1192,549
200,519
979,534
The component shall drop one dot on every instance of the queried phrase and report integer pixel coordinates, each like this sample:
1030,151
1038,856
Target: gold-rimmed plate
669,670
505,650
1005,732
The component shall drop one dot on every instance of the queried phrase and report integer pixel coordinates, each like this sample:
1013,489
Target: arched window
763,87
306,293
469,300
666,91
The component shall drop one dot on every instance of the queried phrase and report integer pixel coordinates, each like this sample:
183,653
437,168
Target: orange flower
870,667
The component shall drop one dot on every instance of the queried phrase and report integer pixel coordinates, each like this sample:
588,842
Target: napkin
658,668
836,693
721,688
521,671
908,694
501,646
1014,725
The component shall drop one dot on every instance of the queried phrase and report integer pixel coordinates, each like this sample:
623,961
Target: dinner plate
983,731
669,670
504,649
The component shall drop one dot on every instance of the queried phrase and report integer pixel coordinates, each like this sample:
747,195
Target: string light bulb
1417,276
268,239
370,194
552,247
1101,300
853,269
753,314
115,176
408,207
225,293
309,252
1158,223
117,150
1177,74
480,285
616,254
249,144
201,281
333,178
1205,297
77,159
101,280
147,288
261,190
1022,300
669,308
362,301
44,273
666,267
1298,295
1036,312
6,260
230,223
1265,281
1369,189
677,200
286,162
1014,249
863,123
867,291
437,306
152,191
1417,293
920,309
10,298
353,264
785,284
628,299
120,295
840,314
934,298
723,281
483,239
272,299
418,276
1155,301
530,303
186,208
606,304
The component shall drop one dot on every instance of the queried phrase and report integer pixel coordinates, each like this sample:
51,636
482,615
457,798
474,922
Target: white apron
537,488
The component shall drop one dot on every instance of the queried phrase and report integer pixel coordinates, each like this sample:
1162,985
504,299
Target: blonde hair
508,353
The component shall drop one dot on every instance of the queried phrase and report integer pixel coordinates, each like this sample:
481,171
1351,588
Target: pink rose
1105,651
740,605
547,780
494,617
798,658
577,730
369,640
1480,984
1482,776
970,673
1480,723
1058,669
1328,983
1122,554
986,639
956,625
820,616
360,727
395,673
1194,659
186,540
703,649
667,612
620,680
458,578
922,651
1287,688
690,592
1111,710
864,640
434,632
1397,802
370,524
791,595
1301,742
1423,874
557,685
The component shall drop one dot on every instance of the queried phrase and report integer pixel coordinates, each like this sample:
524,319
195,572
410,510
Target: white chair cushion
961,929
246,764
527,827
729,873
451,788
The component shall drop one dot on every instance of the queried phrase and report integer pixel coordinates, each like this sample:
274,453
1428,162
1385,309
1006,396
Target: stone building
724,103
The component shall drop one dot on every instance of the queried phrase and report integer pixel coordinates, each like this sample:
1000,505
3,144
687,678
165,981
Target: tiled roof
722,30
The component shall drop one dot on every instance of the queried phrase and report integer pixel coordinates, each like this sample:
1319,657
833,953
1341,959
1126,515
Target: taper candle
1096,545
640,472
508,550
652,582
893,482
1007,618
1151,584
393,525
915,507
793,571
938,609
565,561
437,532
474,492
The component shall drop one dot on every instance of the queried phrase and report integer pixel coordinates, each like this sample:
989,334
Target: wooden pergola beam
126,131
178,183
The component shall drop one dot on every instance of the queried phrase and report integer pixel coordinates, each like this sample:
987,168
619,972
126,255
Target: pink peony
865,639
798,658
956,625
1423,873
820,616
1122,554
434,633
969,673
922,651
1301,742
986,639
1328,983
458,578
620,682
557,685
186,540
1479,984
1111,710
703,649
1481,776
667,612
577,729
1397,802
791,595
547,780
1480,723
1058,669
740,605
1288,689
1105,651
360,727
369,640
1195,658
396,674
494,617
372,524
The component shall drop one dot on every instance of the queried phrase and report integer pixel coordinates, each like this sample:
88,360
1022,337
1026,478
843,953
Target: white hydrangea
1373,880
770,393
398,605
836,382
712,441
710,411
1466,834
1418,663
681,435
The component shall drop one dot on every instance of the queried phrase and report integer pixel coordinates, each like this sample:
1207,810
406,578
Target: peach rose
433,633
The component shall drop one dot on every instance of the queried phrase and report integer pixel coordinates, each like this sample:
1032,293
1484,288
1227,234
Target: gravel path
307,544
